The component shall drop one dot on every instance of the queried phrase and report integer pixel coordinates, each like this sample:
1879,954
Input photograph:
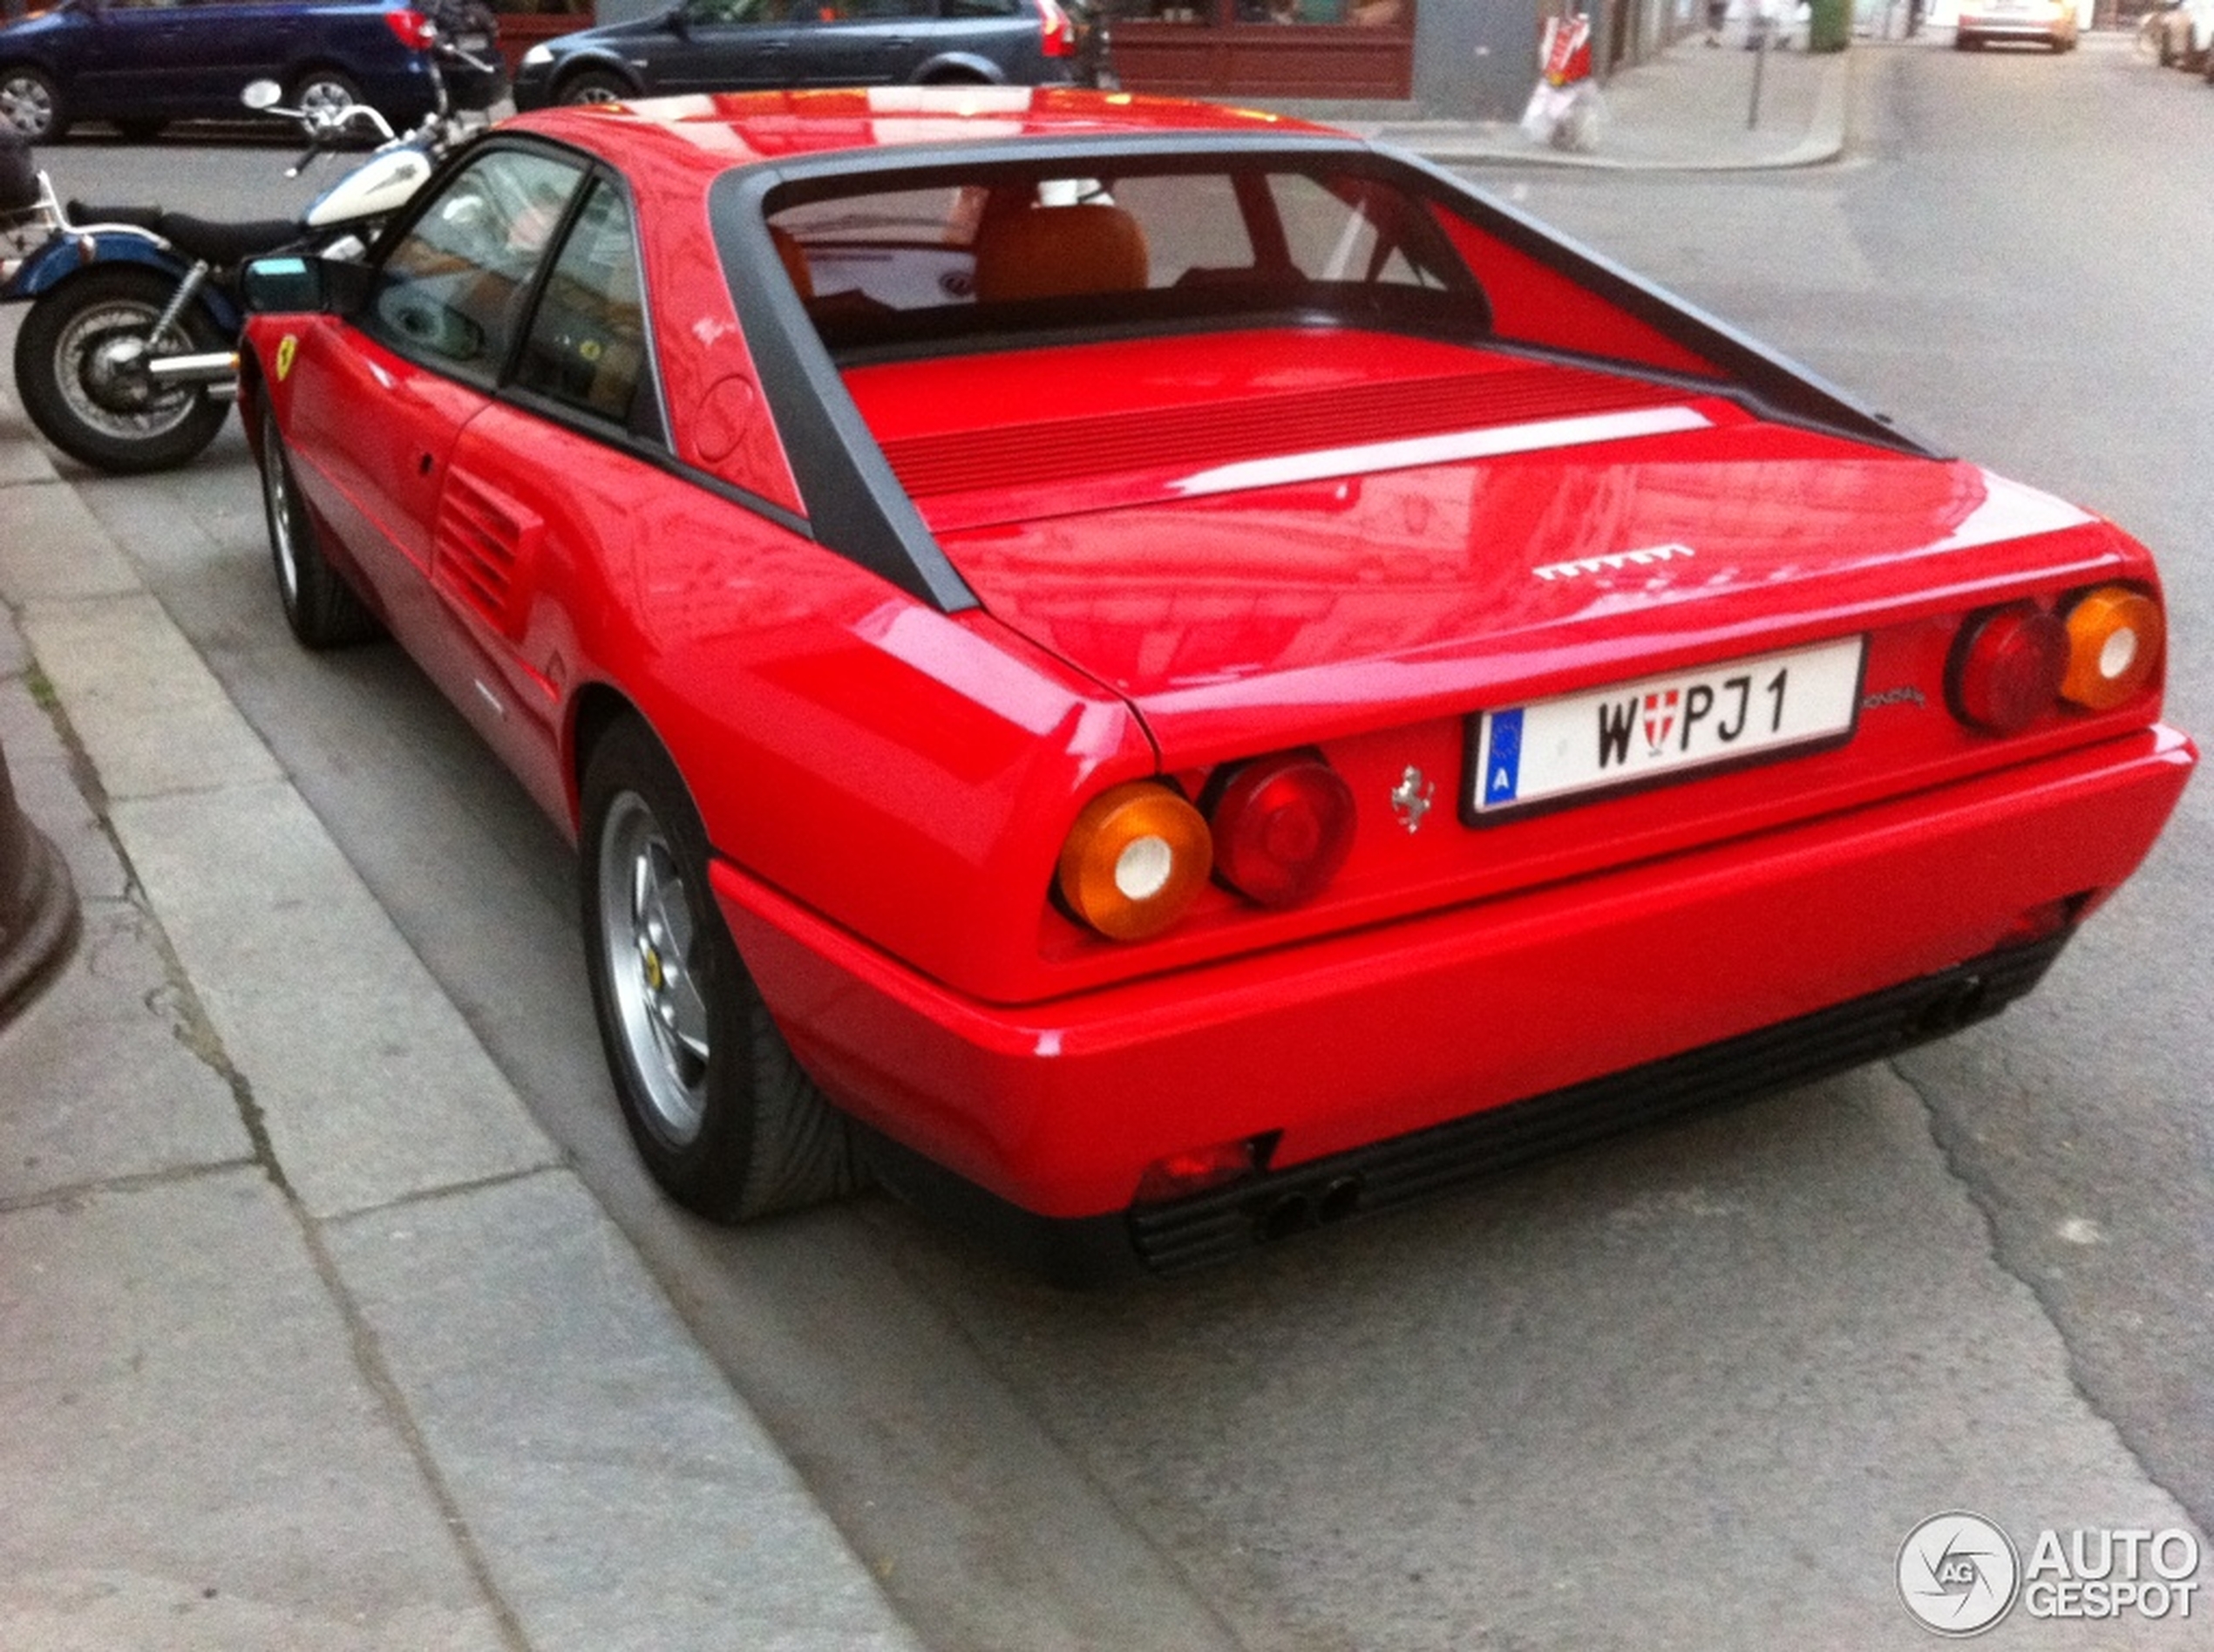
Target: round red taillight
415,31
1283,826
2114,637
2007,671
1134,860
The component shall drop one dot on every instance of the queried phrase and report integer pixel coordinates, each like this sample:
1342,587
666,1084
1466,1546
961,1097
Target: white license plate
1660,726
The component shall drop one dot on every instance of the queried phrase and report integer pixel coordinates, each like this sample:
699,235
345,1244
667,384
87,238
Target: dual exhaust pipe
1299,1209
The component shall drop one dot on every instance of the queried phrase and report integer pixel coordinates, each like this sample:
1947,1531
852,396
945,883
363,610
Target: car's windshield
927,261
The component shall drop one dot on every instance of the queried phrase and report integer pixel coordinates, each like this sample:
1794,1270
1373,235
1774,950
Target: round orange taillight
1133,862
2007,667
1283,826
2114,637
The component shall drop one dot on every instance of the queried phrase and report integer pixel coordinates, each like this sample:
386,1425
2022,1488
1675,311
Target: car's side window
449,292
737,10
1342,230
586,343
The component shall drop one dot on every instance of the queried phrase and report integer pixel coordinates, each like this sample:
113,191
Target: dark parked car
141,64
731,45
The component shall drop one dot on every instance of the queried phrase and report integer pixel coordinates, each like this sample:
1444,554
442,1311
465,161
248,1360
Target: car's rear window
923,261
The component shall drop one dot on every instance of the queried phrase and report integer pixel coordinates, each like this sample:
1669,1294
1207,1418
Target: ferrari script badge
1410,797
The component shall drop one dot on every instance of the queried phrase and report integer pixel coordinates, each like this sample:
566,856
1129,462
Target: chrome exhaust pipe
215,370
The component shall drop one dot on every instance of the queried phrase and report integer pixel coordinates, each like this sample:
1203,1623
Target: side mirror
262,94
678,22
286,284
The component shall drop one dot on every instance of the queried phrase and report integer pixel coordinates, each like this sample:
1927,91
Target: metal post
1763,31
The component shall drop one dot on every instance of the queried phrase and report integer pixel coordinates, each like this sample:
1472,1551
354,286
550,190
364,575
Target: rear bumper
1055,1109
2016,29
1182,1235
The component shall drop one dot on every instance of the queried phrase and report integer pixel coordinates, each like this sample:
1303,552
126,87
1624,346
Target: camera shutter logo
1959,1574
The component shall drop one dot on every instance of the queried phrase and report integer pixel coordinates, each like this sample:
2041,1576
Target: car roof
720,131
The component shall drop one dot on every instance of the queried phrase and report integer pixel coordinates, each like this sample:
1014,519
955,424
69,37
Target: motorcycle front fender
64,255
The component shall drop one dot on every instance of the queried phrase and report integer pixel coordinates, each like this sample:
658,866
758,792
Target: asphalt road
1688,1390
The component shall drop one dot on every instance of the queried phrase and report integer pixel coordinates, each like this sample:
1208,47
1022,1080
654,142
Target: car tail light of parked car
413,28
2115,638
1282,828
2018,663
1060,29
1135,858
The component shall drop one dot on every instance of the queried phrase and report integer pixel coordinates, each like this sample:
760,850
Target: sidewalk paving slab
312,1340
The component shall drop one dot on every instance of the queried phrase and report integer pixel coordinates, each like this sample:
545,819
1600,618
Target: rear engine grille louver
1207,435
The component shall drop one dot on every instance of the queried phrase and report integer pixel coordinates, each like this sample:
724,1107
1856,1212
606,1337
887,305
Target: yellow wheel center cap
655,978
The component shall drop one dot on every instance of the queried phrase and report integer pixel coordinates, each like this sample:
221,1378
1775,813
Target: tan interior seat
795,262
1059,252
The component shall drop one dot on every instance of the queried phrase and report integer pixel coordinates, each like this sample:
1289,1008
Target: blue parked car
141,64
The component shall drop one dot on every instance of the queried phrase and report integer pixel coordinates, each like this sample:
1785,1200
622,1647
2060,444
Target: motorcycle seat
218,241
226,243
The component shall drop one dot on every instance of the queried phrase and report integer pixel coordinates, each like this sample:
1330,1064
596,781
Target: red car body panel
1372,1033
1185,549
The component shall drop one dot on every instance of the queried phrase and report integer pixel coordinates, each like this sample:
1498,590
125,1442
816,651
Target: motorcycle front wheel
79,371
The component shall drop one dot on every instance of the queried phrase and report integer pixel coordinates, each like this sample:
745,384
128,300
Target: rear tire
322,611
322,94
720,1113
593,85
32,103
69,372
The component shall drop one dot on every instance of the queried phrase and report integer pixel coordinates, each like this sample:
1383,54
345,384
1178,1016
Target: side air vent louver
484,550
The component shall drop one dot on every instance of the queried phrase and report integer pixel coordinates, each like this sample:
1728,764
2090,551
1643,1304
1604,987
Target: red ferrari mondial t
1152,677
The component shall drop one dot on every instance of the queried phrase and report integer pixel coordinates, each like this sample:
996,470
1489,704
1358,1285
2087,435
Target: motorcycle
127,358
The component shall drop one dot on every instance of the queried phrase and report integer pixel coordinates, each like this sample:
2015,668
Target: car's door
224,44
728,45
860,43
541,487
127,59
377,403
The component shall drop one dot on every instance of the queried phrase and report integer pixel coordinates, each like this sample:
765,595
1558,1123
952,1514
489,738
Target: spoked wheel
594,86
720,1111
81,368
323,95
320,606
31,104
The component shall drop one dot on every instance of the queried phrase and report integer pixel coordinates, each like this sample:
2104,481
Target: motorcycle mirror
262,94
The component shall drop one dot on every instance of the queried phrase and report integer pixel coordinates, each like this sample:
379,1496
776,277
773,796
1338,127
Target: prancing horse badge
1410,797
